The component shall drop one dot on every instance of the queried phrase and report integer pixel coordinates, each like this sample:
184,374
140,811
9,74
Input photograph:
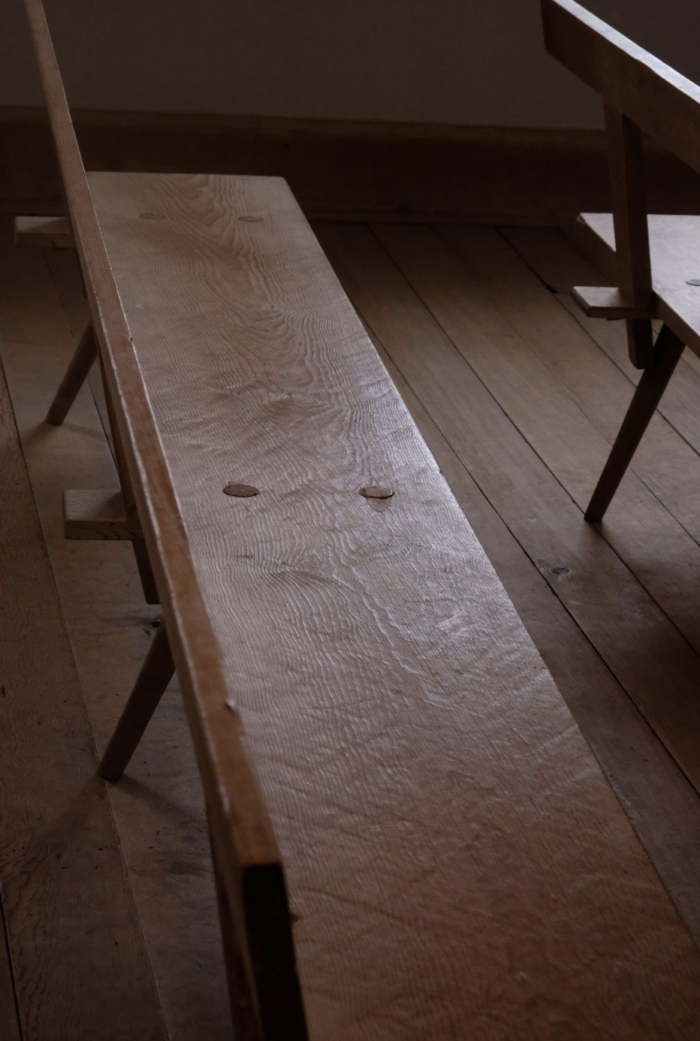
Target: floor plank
559,390
643,649
560,264
158,805
69,908
578,371
554,258
662,804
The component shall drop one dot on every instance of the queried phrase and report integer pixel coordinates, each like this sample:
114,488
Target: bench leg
667,352
76,374
85,354
143,563
148,582
156,673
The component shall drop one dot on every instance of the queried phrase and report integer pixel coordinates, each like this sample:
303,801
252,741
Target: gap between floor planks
158,805
597,595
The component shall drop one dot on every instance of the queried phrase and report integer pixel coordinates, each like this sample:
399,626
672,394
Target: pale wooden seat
412,839
418,765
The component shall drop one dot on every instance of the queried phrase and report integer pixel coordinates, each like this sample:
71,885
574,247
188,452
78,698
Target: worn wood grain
310,553
571,555
69,910
659,799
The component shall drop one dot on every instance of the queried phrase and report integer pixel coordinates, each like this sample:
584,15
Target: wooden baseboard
345,170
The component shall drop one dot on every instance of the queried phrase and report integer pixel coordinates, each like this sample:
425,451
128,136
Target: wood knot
251,218
241,491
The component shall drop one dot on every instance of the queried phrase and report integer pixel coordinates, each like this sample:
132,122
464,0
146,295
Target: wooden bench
366,708
653,261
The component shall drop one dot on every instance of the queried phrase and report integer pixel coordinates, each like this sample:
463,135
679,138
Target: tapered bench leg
667,352
76,374
155,675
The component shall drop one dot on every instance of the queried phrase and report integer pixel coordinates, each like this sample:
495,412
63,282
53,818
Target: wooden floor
518,398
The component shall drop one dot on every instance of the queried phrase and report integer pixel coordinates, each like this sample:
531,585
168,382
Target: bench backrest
634,82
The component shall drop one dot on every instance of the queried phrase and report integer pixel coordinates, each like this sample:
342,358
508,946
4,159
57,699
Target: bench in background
658,278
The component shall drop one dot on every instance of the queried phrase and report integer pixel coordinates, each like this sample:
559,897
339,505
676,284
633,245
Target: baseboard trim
347,170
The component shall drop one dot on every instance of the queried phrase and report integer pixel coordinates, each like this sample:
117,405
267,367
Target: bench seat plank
674,241
457,864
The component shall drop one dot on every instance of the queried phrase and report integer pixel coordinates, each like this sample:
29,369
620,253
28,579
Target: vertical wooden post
627,185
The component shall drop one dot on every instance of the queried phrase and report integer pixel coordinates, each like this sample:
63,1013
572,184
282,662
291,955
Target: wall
470,62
